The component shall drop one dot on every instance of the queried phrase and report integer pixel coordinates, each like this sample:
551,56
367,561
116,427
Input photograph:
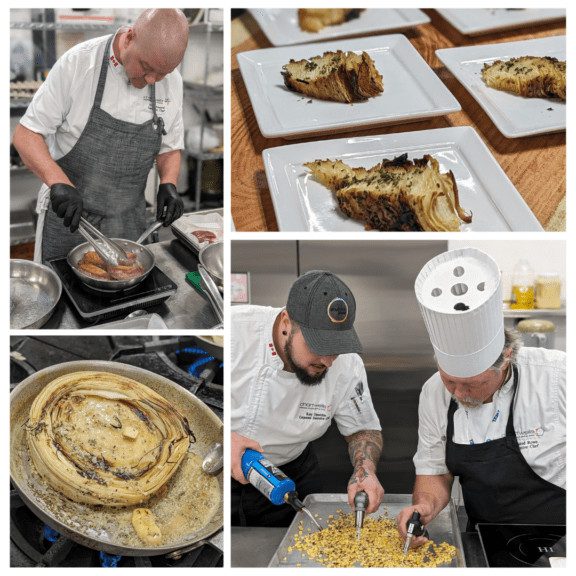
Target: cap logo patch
338,310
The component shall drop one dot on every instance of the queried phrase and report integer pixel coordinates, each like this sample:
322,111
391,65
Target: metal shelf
204,90
15,170
65,26
511,313
214,26
20,103
199,155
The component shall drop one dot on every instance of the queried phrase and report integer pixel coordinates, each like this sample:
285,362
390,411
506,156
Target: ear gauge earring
284,332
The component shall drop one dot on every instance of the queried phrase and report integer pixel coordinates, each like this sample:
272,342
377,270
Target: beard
469,403
301,373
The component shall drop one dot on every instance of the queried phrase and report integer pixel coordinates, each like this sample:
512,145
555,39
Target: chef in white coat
109,109
494,415
293,370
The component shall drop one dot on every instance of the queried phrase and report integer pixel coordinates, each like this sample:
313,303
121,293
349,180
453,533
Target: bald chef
109,109
293,370
494,415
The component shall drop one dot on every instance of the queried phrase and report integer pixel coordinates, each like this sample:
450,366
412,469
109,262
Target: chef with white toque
494,415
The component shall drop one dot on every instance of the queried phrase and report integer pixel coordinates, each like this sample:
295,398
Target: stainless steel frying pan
212,258
144,256
104,528
211,269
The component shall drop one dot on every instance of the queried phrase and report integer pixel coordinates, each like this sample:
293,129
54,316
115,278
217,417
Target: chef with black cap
293,370
494,415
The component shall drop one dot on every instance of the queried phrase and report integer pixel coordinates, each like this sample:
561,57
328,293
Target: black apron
109,165
498,485
251,508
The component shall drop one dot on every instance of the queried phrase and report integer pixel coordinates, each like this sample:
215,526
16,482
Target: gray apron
109,165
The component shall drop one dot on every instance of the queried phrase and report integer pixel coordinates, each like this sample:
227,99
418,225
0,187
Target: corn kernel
380,545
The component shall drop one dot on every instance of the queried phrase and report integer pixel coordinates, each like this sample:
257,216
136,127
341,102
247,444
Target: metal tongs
111,252
212,292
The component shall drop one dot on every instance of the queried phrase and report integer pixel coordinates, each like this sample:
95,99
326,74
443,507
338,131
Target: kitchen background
397,352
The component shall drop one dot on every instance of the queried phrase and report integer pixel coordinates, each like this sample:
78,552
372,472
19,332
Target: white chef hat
460,297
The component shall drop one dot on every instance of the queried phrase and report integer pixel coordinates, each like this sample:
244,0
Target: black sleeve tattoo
363,446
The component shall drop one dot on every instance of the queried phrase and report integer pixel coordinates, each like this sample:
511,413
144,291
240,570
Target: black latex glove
67,203
168,199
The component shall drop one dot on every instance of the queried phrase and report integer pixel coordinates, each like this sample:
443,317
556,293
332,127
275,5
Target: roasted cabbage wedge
528,76
395,195
104,439
339,76
315,19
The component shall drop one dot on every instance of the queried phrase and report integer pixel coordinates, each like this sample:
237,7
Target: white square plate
411,89
513,115
302,204
282,29
475,21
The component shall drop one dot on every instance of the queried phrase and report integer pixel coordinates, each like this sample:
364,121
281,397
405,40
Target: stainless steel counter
254,547
185,309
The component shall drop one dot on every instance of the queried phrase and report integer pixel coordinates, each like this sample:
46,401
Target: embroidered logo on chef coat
313,411
359,398
338,310
115,62
161,103
530,439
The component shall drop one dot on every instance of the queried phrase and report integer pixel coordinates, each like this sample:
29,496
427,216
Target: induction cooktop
95,306
522,545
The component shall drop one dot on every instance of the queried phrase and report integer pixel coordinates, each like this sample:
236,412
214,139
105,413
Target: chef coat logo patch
314,412
161,104
338,310
530,439
359,398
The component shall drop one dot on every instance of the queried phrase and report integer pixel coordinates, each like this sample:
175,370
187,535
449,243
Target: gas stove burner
522,545
200,364
35,544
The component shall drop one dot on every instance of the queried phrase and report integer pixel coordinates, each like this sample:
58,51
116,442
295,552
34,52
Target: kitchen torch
414,527
360,505
272,482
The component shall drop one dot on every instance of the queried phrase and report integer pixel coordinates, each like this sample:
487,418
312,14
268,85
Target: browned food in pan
93,270
92,257
93,265
125,272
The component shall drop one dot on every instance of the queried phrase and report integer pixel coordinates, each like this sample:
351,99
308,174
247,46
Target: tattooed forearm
364,449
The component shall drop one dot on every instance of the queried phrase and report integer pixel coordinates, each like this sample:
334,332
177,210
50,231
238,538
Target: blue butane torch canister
272,482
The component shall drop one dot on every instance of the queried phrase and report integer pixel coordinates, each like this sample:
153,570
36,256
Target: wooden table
535,165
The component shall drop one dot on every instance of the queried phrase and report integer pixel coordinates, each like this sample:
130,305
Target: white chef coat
61,107
539,417
272,407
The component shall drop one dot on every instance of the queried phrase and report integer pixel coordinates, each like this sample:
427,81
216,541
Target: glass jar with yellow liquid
548,290
522,286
